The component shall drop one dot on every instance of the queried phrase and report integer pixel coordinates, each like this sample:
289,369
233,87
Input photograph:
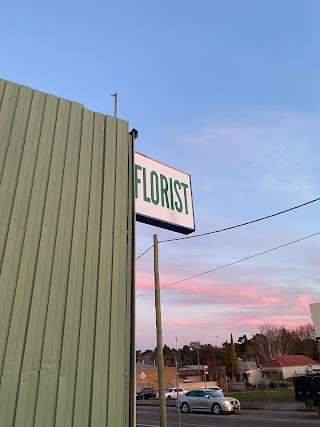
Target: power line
144,252
232,263
241,225
230,228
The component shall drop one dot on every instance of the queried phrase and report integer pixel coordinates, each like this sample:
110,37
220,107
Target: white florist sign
163,195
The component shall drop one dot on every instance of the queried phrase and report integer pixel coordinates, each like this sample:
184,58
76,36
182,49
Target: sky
226,91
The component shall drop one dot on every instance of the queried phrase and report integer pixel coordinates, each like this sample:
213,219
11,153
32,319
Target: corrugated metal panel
66,249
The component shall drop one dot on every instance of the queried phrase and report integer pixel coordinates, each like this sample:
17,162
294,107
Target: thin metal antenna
115,95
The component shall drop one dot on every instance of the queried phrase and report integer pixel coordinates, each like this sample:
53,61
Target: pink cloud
144,284
183,322
226,292
235,300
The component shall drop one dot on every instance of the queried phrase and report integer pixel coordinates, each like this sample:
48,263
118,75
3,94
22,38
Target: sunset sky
226,91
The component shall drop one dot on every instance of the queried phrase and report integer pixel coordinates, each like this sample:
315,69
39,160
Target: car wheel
216,409
169,397
185,408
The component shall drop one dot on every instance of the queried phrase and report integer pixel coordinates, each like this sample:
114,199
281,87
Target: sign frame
163,195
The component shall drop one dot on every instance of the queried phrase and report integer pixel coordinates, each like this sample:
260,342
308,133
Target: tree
305,332
227,358
195,346
231,362
272,340
185,356
241,346
169,356
306,340
234,361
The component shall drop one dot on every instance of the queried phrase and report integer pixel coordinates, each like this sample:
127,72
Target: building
192,373
147,376
66,263
284,367
250,372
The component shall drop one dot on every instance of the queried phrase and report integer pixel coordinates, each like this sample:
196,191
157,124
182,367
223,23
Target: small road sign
142,375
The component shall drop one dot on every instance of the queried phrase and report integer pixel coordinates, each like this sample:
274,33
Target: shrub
280,384
283,384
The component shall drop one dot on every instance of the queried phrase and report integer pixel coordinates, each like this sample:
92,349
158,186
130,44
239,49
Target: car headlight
226,402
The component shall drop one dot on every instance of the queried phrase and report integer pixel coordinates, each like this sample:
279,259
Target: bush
280,384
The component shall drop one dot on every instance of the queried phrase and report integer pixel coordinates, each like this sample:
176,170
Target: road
149,417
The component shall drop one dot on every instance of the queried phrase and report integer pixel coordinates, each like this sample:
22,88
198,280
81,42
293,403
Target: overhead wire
232,227
241,225
231,263
144,252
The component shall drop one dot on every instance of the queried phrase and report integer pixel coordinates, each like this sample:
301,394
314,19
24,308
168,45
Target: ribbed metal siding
66,211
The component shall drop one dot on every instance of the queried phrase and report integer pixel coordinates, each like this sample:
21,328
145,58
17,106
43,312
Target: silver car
207,400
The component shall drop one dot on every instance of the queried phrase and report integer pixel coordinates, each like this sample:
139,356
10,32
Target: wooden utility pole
160,363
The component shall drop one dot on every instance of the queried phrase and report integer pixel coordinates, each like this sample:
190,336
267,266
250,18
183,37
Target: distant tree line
267,343
272,340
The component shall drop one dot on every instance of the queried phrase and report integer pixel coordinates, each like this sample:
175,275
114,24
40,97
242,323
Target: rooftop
289,360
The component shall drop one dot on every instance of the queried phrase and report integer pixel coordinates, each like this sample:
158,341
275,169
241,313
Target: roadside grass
273,395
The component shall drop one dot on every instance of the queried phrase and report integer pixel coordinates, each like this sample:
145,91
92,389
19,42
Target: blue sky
227,91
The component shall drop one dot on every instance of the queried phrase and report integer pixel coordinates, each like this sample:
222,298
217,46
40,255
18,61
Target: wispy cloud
242,170
280,144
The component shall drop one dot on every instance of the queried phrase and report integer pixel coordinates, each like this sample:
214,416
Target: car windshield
214,393
168,390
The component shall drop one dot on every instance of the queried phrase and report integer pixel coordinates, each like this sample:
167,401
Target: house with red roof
282,367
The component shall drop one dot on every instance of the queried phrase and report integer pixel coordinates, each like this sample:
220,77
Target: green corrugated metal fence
66,249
